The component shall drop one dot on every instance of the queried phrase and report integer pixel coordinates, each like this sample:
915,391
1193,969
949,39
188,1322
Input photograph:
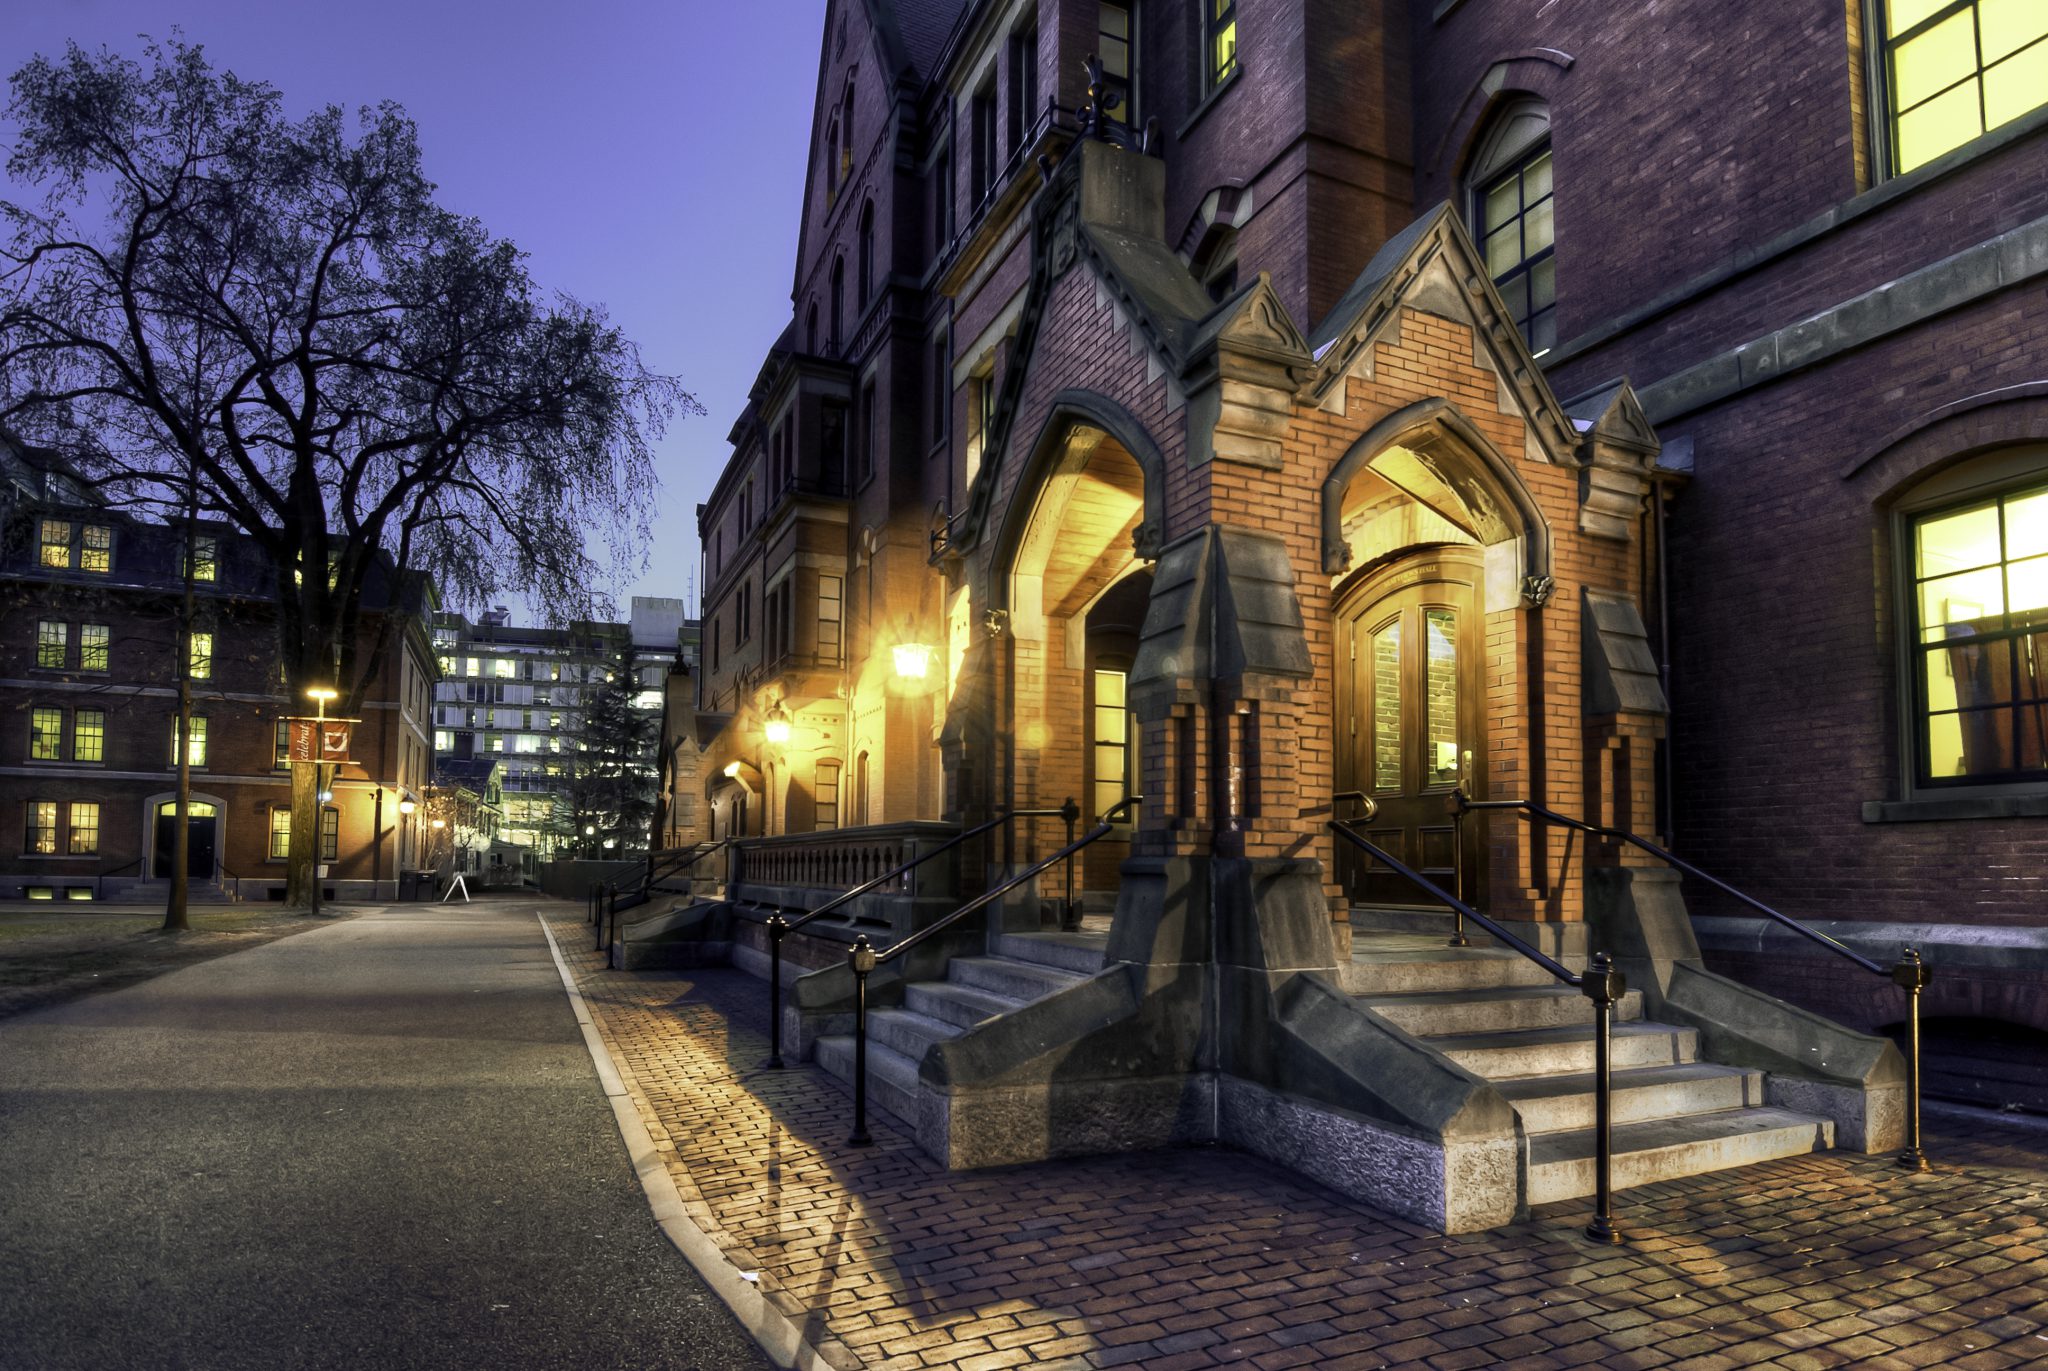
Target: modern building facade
519,694
1305,409
89,633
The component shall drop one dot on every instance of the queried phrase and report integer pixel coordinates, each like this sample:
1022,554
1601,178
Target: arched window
838,336
1973,552
846,133
867,252
811,330
831,160
1509,180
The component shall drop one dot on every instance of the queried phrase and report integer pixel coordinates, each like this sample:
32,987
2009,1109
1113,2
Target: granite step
1552,1104
1560,1166
892,1077
957,1004
1438,1013
1555,1051
1394,965
1077,952
1008,977
908,1031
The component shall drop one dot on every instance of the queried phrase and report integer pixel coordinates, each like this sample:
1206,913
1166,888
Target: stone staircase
1018,969
1503,1018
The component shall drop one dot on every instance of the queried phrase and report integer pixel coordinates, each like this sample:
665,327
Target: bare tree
216,308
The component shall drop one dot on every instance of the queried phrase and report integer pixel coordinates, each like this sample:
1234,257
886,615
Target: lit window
85,829
444,741
330,834
93,640
1219,41
88,735
96,548
56,538
50,643
1980,643
1116,44
205,559
504,666
45,735
202,656
1956,68
42,828
831,612
1111,741
281,747
280,834
1512,206
198,740
825,796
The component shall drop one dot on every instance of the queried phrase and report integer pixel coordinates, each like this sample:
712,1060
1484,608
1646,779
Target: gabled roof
1433,265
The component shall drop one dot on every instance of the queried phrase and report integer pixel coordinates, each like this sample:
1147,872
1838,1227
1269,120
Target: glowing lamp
406,807
913,660
775,727
440,823
326,796
732,770
324,694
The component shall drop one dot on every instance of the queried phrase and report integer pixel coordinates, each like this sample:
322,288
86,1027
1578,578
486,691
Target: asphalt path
380,1143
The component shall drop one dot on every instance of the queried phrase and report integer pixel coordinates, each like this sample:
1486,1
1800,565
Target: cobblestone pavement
1201,1257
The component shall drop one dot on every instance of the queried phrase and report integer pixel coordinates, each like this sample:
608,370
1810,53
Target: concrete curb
778,1334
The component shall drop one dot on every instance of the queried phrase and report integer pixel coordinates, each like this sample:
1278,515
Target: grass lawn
51,955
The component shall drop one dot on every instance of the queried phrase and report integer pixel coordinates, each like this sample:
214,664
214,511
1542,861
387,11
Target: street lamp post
320,696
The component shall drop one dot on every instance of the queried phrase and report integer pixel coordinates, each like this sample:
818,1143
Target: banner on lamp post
319,740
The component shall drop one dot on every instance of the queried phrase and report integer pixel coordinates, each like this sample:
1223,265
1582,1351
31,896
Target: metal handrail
1911,974
862,958
610,907
1599,982
780,928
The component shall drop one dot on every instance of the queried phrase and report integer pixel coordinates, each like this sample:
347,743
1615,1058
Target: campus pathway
377,1144
1206,1257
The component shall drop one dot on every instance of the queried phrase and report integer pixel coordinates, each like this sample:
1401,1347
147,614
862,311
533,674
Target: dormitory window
1512,219
866,256
1111,739
1116,43
42,829
95,546
1979,650
825,792
198,741
85,828
1023,109
205,559
92,646
50,643
330,834
870,423
280,834
201,656
831,609
88,735
1957,68
56,540
1219,42
45,735
981,168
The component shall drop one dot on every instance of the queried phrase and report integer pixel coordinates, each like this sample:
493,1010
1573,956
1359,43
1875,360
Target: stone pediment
1613,414
1433,266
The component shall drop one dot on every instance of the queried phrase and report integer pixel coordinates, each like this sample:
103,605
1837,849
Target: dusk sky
647,154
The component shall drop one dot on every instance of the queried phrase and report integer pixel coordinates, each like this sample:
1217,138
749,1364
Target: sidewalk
1209,1257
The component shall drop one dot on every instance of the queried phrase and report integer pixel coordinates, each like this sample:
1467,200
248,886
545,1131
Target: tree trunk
177,907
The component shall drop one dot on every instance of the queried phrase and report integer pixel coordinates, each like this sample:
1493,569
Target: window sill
1926,810
1208,103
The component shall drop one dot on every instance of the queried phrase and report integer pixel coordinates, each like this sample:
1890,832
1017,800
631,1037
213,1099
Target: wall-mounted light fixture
913,660
407,807
775,724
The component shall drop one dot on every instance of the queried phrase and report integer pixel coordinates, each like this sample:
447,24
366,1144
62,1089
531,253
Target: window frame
1501,154
32,844
1999,474
98,723
100,643
37,732
1880,82
72,828
1210,26
47,640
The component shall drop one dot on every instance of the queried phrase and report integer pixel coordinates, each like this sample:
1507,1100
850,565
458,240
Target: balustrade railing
837,859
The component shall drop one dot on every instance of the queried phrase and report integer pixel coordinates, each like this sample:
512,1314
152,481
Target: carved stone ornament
1536,591
1146,539
997,622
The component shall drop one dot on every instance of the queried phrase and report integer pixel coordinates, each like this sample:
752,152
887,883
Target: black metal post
1070,918
861,958
1457,807
1603,985
604,894
1912,975
777,927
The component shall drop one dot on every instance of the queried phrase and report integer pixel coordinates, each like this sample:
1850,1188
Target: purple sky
647,154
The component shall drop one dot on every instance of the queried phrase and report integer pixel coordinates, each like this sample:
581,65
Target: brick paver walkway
1210,1257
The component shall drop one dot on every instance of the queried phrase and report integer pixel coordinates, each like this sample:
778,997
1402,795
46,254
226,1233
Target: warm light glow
326,796
913,660
406,806
732,770
440,823
775,727
324,694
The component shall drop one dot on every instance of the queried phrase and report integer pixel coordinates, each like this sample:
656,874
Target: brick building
1318,399
89,608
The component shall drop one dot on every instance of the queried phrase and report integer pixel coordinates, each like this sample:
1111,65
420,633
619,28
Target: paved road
376,1144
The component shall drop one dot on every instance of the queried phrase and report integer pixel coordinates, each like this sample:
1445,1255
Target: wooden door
1411,719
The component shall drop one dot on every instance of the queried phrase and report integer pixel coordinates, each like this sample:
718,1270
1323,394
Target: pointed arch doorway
1411,715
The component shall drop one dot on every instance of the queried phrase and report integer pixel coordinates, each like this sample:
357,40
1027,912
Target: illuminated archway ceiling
1079,539
1442,478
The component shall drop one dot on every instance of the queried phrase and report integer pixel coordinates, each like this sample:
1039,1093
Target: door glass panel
1386,707
1440,633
